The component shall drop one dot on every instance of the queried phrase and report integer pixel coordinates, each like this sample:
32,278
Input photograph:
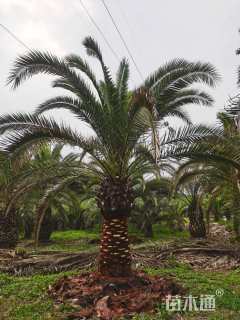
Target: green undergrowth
87,240
224,286
71,235
25,298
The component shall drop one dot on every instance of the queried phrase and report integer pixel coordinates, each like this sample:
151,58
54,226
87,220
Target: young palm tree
24,181
120,120
48,158
148,194
218,170
47,178
192,194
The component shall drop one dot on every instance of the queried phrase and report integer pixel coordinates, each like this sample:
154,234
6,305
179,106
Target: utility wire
122,38
14,36
124,17
99,29
130,27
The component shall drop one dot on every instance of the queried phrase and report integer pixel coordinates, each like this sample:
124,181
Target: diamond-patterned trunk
197,227
8,230
115,257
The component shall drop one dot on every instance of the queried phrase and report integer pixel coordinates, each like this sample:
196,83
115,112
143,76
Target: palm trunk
115,257
27,223
28,230
46,227
197,226
8,230
148,229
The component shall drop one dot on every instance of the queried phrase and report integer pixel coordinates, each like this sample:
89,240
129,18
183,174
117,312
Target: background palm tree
59,182
219,172
120,120
192,194
24,183
148,195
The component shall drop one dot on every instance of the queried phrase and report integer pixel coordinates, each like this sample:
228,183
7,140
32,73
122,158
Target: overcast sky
155,30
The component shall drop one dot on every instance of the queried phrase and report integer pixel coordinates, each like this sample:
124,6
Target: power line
130,27
99,29
122,38
124,17
14,36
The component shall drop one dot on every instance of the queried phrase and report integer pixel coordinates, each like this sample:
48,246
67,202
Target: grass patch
208,283
71,235
83,240
25,298
161,232
66,241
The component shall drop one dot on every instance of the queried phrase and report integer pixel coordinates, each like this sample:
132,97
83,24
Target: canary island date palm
148,195
56,167
48,178
218,171
192,194
120,120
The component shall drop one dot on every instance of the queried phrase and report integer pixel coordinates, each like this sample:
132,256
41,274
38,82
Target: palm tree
148,193
51,182
192,194
218,172
23,184
120,120
46,158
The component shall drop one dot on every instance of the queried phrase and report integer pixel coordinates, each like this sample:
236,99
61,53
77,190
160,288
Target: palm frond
181,114
28,130
190,96
93,50
77,62
36,62
122,83
179,74
44,202
192,134
61,102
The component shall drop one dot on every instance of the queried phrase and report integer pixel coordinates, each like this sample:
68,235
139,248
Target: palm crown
121,119
118,117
